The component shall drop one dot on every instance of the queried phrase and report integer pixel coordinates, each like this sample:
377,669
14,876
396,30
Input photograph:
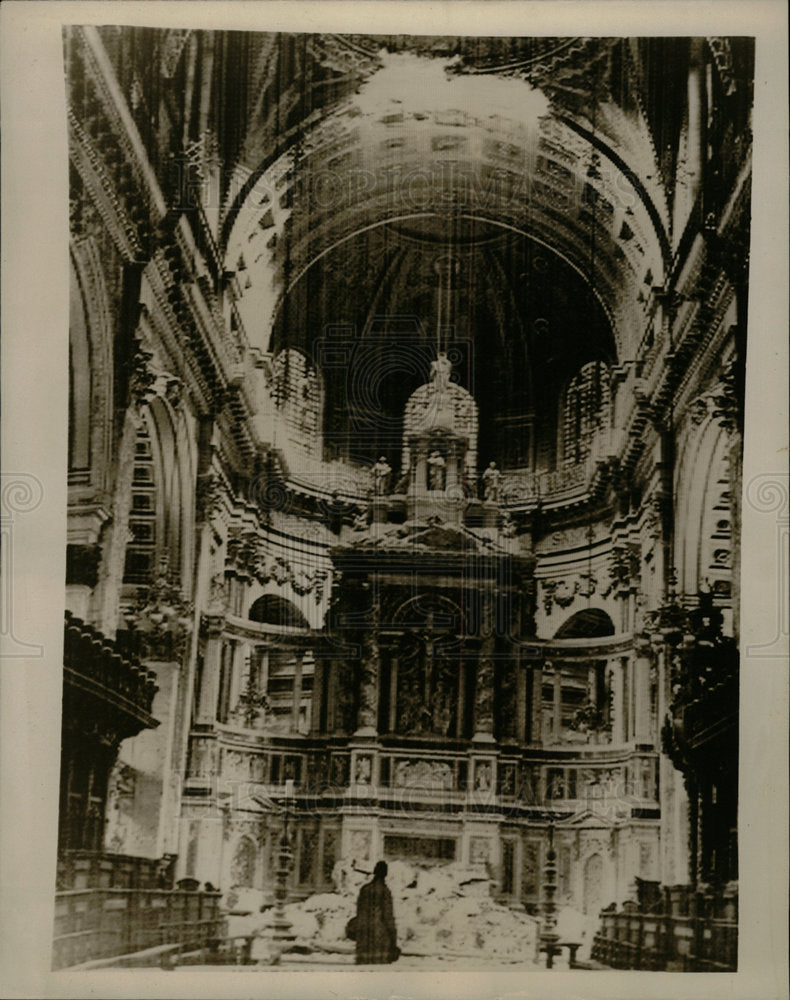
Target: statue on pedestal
440,373
491,483
381,477
436,470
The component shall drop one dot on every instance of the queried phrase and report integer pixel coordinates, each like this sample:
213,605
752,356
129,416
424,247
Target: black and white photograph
404,489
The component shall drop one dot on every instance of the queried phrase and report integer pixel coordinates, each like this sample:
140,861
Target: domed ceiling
475,194
517,323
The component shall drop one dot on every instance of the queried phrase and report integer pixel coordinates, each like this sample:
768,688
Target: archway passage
590,623
274,610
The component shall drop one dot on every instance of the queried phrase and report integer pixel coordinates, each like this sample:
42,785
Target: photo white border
34,373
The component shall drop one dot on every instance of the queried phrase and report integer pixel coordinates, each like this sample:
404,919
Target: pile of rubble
441,910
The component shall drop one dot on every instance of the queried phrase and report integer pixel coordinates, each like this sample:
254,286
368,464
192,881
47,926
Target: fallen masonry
442,911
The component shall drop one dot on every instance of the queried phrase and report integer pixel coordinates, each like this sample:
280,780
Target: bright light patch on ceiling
412,83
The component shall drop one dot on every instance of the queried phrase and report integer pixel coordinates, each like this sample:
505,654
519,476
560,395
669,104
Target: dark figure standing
376,936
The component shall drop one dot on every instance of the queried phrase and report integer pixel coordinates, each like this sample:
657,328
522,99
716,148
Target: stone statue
491,482
361,520
381,476
363,770
440,372
482,776
508,526
436,467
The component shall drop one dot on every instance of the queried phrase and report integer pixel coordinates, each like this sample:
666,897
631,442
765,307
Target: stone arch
271,609
589,623
703,517
90,367
80,382
414,613
163,472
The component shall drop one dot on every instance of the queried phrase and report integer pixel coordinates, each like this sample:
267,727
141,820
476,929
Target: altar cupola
439,446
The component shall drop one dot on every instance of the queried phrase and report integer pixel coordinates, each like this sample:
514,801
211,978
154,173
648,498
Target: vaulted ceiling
496,151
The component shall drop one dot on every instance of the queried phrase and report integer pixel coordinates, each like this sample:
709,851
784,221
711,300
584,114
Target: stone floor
341,963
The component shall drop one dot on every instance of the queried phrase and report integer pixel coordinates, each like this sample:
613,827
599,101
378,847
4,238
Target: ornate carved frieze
147,380
623,568
560,592
722,56
247,556
208,496
430,775
721,401
161,617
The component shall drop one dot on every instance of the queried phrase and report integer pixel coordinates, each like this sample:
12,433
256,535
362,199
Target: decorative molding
209,494
247,556
161,617
560,592
623,569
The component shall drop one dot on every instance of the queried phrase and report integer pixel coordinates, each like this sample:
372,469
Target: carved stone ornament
654,518
162,617
147,380
424,774
623,568
720,402
246,554
559,592
218,599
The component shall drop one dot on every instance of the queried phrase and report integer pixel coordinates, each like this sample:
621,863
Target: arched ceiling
516,320
455,143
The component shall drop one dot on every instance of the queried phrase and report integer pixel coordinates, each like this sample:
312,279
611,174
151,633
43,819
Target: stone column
297,693
117,532
370,670
522,722
393,699
556,719
484,681
209,681
642,665
318,696
536,720
617,668
451,473
331,681
421,471
239,662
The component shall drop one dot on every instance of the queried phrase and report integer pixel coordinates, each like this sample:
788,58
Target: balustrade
95,923
118,678
679,930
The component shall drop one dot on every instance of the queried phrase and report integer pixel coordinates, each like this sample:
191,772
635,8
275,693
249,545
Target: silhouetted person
376,935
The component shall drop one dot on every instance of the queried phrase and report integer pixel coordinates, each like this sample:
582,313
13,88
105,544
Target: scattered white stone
446,911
